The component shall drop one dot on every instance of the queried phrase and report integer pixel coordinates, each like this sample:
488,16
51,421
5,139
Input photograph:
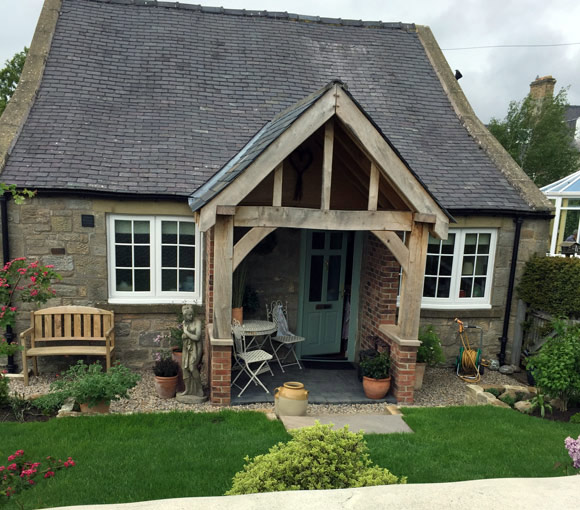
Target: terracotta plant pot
419,374
177,356
376,388
166,386
238,314
102,407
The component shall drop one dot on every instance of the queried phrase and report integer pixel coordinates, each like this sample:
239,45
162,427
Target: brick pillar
221,375
378,305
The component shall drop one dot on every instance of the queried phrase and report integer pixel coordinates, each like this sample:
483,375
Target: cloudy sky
491,76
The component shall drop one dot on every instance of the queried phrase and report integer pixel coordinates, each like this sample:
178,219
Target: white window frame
155,295
454,301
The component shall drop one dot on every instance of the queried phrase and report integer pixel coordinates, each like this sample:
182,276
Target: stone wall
534,238
50,229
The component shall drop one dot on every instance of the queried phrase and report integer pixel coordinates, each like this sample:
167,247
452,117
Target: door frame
354,297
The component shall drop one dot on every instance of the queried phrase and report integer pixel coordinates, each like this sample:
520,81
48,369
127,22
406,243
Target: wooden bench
68,330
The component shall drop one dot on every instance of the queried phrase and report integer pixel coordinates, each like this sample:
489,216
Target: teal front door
322,303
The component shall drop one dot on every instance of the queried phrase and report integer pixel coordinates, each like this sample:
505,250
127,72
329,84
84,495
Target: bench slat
88,350
58,325
97,324
77,325
87,325
38,324
67,325
72,338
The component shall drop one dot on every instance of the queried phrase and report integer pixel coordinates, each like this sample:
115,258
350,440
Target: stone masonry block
60,263
61,224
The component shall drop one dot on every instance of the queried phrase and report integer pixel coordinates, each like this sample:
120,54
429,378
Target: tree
9,77
536,135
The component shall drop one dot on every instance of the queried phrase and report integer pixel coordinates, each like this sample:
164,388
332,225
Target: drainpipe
9,334
508,307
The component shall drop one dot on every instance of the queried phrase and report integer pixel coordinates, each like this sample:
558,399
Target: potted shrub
428,353
166,372
375,372
92,388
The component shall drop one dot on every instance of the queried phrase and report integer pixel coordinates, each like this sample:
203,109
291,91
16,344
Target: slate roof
147,98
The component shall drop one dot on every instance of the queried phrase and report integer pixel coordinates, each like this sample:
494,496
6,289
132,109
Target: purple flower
573,447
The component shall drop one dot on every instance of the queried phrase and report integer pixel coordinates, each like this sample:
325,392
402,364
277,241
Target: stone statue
192,354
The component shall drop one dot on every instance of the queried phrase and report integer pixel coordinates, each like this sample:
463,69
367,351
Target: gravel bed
441,387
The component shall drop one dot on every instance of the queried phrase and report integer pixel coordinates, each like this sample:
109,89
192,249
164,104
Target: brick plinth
221,375
378,305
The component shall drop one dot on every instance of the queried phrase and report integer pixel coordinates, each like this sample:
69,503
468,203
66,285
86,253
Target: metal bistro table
260,332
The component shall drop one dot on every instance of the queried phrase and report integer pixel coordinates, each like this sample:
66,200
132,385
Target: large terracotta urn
102,407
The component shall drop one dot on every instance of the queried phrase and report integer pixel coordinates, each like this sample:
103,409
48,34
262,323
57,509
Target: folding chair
278,313
245,359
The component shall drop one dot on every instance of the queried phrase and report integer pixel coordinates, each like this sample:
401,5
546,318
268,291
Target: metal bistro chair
278,313
245,359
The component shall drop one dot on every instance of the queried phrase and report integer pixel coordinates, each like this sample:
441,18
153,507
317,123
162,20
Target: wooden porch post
223,268
412,283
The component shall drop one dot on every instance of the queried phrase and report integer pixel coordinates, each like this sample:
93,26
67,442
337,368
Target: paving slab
369,423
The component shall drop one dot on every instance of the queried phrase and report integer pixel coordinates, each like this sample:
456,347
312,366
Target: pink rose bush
19,474
573,447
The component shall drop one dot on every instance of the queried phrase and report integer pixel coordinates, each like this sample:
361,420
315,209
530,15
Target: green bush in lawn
316,457
556,367
575,418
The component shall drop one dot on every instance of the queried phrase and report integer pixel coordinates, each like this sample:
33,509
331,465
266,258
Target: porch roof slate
148,97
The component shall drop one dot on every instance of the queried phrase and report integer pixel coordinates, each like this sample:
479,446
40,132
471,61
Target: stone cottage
168,142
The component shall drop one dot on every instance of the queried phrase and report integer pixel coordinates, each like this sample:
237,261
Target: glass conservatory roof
567,186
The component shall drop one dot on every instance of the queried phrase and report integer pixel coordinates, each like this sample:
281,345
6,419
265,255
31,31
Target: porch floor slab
369,423
326,383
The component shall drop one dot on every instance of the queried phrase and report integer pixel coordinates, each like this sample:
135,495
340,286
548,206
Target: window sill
154,301
147,308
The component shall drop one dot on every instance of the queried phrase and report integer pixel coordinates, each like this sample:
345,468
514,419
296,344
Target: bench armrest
24,334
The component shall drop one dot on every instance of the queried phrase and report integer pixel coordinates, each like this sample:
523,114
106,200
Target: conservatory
565,195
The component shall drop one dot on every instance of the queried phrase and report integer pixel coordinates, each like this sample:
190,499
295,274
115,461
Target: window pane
443,287
169,256
316,274
169,280
142,282
433,246
186,232
481,266
141,232
483,243
448,245
429,287
186,281
465,288
432,261
468,266
168,232
470,242
336,241
333,285
124,280
446,266
122,231
186,256
478,287
123,256
141,256
318,240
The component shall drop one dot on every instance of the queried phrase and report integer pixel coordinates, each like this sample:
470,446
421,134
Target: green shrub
575,418
551,284
376,367
508,399
4,390
50,403
494,391
430,350
315,458
556,367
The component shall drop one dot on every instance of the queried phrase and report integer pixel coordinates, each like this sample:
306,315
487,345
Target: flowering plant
30,282
164,365
7,349
19,474
573,447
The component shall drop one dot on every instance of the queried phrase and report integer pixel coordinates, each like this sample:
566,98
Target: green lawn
155,456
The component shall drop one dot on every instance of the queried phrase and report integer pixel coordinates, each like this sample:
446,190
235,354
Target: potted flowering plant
94,389
375,371
166,372
28,282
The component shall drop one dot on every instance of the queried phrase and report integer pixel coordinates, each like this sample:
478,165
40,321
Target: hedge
552,284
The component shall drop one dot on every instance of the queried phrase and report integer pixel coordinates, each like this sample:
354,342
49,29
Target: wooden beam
412,283
393,242
277,191
247,243
424,218
295,217
222,278
327,165
373,187
226,210
394,170
302,128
